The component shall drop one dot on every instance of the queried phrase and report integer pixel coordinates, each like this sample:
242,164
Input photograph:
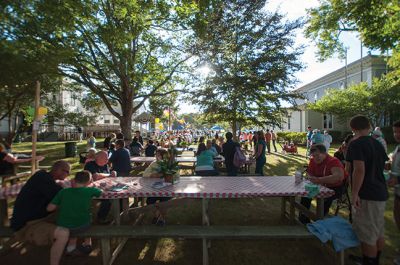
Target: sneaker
160,222
86,249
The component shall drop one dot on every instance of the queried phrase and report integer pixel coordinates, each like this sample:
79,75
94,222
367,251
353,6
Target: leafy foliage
123,51
377,22
295,137
376,101
252,56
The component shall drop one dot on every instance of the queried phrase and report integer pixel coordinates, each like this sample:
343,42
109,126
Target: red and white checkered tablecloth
179,159
195,187
209,187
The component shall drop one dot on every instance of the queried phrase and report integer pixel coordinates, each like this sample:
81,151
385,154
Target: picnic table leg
116,209
320,208
3,213
205,252
205,222
283,207
105,251
292,211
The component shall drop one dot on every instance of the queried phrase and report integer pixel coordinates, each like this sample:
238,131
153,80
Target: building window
316,96
107,119
328,121
288,123
116,121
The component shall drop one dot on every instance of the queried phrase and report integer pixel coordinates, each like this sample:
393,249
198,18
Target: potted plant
169,167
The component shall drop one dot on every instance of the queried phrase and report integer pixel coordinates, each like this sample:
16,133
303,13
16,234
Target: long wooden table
204,188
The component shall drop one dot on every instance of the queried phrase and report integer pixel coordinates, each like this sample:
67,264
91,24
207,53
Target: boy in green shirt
74,212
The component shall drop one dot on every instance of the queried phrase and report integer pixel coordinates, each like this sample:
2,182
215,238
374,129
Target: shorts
76,230
369,221
39,232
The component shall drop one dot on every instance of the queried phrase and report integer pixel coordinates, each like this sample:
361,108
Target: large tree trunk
126,126
234,129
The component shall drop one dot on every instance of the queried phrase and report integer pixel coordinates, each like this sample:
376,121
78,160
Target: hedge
295,137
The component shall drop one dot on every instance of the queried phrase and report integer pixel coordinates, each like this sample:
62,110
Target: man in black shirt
228,150
150,149
100,169
121,159
30,218
366,159
139,137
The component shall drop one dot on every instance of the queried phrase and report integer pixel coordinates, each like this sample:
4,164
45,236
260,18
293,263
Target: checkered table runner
195,187
209,187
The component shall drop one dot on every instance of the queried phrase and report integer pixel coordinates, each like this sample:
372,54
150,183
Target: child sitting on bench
74,212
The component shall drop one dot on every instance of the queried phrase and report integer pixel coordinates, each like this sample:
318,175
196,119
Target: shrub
295,137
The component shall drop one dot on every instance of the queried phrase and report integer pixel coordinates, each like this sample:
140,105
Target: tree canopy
377,22
252,58
123,51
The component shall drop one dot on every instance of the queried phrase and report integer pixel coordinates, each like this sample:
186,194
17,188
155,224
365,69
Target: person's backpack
239,159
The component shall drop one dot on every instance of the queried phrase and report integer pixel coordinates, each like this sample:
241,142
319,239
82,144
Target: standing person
327,140
317,137
308,139
121,160
135,147
108,140
91,141
260,154
274,138
30,219
394,180
377,134
229,149
74,213
80,133
366,160
268,137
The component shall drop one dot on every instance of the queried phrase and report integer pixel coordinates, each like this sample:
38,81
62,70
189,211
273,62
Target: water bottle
298,176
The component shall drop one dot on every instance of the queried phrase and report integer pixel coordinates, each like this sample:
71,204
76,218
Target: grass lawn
258,211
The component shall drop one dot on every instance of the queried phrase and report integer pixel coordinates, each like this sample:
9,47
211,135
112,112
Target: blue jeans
104,209
207,173
260,163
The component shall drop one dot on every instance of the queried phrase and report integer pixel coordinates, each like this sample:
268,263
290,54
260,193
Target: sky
313,68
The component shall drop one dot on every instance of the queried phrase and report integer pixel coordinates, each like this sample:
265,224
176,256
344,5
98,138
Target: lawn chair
344,201
291,149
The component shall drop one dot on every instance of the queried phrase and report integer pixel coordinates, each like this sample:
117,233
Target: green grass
252,211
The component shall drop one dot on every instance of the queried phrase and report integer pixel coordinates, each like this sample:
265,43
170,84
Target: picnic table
204,188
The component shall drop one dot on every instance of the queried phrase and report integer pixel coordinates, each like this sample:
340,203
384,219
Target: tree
253,58
19,70
376,101
123,51
377,22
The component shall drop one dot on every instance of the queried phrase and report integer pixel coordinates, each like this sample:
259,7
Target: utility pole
169,119
35,127
345,70
361,63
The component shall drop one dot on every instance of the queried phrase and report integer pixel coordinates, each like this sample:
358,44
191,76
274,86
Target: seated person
341,152
150,149
325,170
90,155
135,147
30,219
7,161
99,169
74,213
217,147
205,161
154,171
121,160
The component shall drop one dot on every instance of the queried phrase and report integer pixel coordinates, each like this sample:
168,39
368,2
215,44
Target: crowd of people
360,162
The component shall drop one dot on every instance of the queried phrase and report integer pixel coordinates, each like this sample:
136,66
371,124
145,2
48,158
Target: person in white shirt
327,140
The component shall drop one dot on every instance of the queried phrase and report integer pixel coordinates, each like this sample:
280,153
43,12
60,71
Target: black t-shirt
121,162
150,150
5,167
228,150
369,150
93,168
107,141
32,200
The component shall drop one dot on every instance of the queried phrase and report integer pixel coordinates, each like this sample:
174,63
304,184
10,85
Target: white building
297,121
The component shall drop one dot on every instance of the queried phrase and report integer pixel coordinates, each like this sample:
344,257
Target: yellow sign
42,111
160,126
157,120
